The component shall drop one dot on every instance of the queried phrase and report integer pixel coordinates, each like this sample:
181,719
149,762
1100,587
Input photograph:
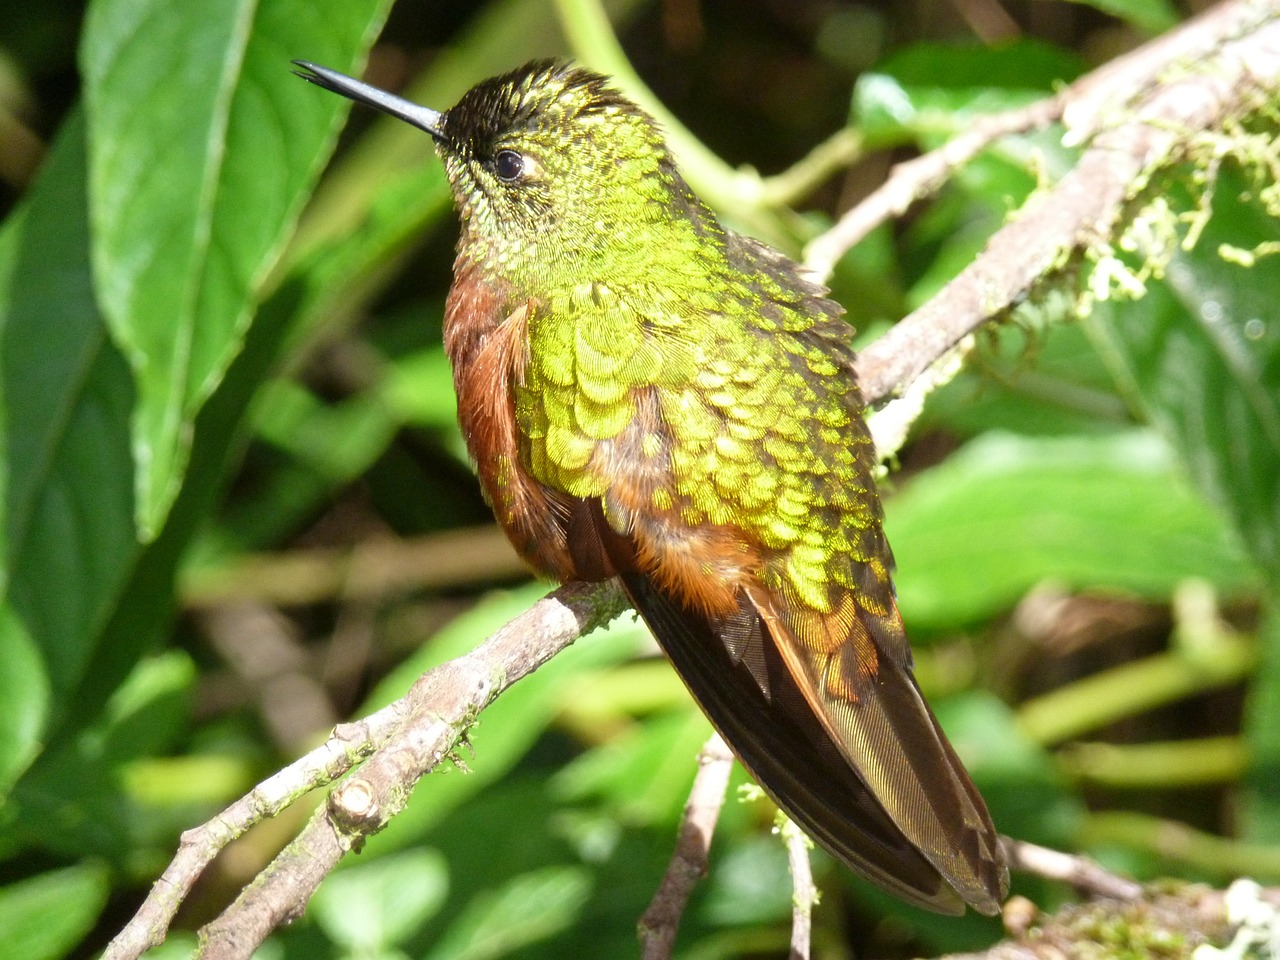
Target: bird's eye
508,165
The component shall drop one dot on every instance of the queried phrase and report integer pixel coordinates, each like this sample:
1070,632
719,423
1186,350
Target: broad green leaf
202,148
644,773
1201,354
328,445
375,906
750,883
24,699
931,88
71,800
68,506
518,826
149,711
71,548
529,908
43,917
1047,381
975,533
339,441
419,388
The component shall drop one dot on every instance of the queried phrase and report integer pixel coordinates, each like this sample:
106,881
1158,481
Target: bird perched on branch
652,397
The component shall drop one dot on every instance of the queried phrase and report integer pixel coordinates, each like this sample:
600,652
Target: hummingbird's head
552,170
551,162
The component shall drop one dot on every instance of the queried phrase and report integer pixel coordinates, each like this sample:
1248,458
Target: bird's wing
870,709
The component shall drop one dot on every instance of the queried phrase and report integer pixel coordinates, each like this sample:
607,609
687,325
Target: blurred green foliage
211,355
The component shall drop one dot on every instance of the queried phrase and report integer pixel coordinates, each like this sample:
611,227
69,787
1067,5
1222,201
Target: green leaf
750,883
24,700
1048,381
203,96
149,711
419,389
975,533
528,908
68,504
71,800
71,550
1201,354
43,917
644,773
931,88
375,906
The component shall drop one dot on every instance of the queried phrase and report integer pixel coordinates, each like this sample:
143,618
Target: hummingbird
650,396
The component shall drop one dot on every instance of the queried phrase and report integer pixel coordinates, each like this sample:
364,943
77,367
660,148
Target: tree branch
1187,82
1084,875
804,894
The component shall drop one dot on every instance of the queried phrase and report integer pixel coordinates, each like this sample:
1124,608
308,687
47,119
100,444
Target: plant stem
1178,842
1183,763
1131,689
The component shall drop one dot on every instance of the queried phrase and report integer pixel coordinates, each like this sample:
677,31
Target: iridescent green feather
765,433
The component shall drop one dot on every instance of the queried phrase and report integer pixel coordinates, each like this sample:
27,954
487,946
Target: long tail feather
934,849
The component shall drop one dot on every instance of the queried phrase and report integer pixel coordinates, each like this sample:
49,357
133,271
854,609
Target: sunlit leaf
531,907
644,773
202,147
43,917
974,534
24,699
1260,803
933,87
69,513
1048,381
1201,354
376,905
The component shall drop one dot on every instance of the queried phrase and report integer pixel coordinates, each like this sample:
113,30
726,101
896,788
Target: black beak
424,118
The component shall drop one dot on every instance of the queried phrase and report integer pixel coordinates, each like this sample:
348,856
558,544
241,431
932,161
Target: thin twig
804,895
1082,874
842,149
915,179
372,570
659,923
